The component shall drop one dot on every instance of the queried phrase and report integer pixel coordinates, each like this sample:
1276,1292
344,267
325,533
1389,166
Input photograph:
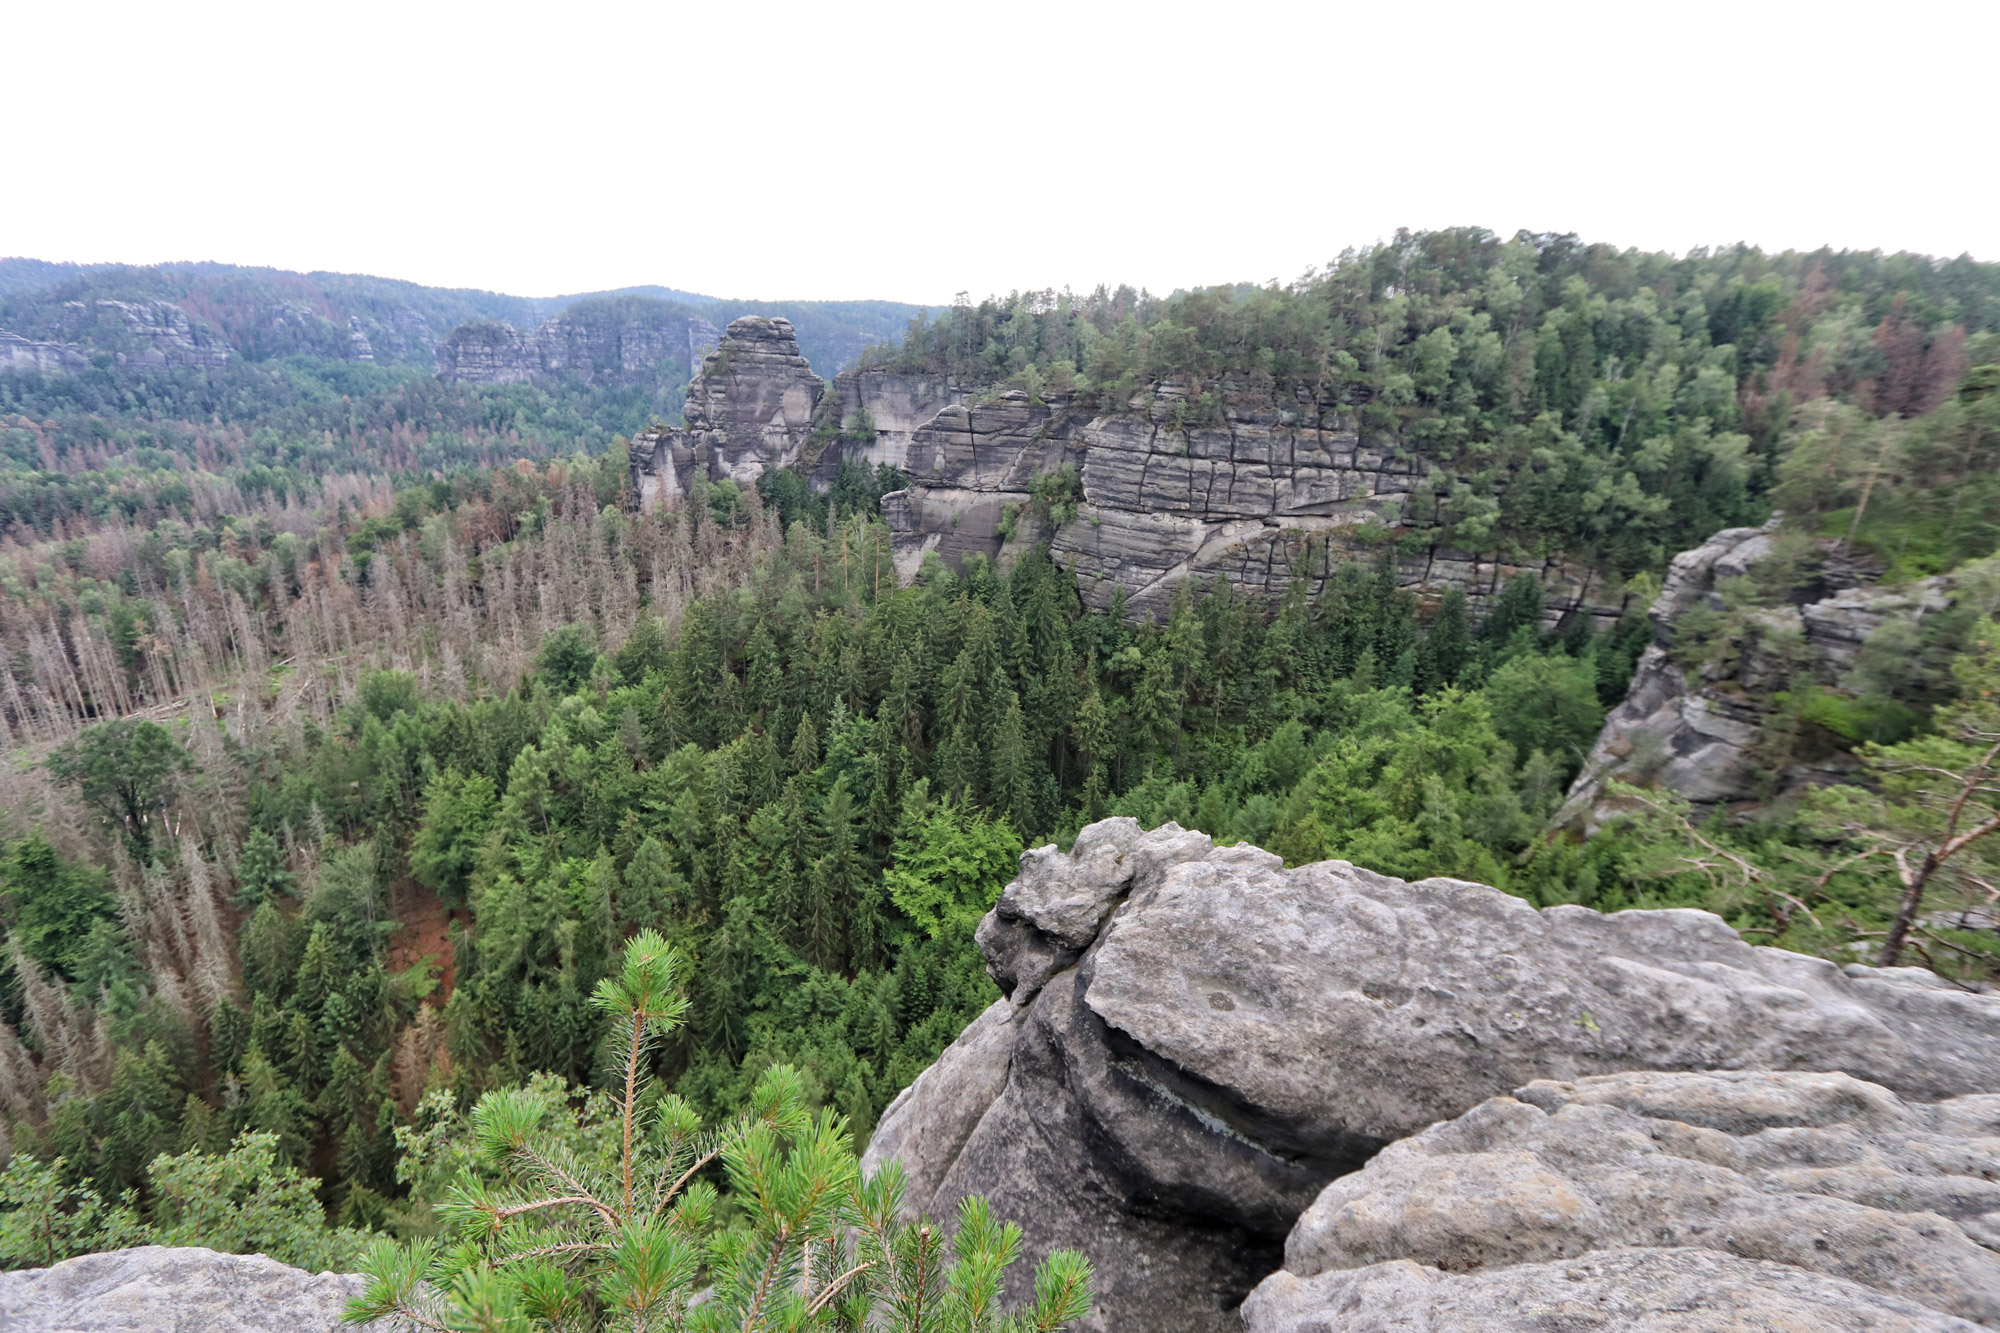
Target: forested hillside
280,377
331,792
1609,404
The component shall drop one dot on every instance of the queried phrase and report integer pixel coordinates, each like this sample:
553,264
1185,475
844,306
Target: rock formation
1701,738
1196,1041
1619,1291
1184,482
162,1289
144,334
623,351
1817,1172
24,355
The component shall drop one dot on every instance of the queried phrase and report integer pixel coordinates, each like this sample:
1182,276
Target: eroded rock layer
1200,482
1822,1172
1197,1040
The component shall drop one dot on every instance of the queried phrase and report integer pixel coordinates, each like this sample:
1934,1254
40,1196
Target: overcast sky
913,151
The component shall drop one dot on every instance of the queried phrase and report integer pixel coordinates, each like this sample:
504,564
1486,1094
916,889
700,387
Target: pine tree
261,875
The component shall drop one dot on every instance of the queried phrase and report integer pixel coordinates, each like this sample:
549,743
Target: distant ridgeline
119,385
1476,408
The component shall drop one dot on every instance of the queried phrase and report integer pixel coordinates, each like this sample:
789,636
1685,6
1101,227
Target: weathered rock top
1197,1040
1796,1172
174,1289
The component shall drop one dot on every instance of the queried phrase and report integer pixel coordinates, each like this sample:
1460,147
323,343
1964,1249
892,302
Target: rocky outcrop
596,350
1196,1041
163,1289
1698,734
1620,1291
1184,482
141,334
25,355
1191,482
749,410
1822,1173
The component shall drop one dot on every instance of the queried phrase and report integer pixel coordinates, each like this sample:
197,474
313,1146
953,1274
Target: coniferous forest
339,771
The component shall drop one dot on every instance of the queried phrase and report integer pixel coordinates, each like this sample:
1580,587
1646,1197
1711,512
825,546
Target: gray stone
749,410
162,1289
1701,738
1819,1171
20,354
590,347
1184,1080
1623,1291
1210,482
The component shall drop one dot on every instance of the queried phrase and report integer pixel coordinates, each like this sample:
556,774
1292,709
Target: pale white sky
908,151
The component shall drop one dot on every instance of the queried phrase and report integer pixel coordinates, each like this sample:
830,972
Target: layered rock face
146,334
749,410
487,352
24,355
162,1289
1266,492
1896,1203
1699,739
1254,492
1196,1041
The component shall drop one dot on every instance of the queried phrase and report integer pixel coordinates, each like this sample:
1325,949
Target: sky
912,151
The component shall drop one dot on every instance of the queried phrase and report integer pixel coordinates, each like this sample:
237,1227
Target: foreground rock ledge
1822,1172
1624,1291
1195,1041
173,1289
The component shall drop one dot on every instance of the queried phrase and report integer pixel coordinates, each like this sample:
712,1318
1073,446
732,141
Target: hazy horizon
906,153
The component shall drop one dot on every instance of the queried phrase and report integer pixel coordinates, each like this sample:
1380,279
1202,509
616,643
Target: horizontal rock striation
140,334
628,351
749,410
1255,493
174,1289
1196,1041
1822,1172
23,355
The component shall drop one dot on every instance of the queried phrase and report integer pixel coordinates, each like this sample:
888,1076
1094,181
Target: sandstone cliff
140,334
1702,733
1185,482
623,351
1195,1041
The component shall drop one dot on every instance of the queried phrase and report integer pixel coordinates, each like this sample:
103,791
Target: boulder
1202,1039
173,1289
1622,1291
1822,1172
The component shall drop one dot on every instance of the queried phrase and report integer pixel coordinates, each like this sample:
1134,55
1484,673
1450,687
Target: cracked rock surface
174,1289
1196,1041
1823,1172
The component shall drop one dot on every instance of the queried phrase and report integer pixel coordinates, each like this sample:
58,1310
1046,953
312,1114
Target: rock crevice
1196,1041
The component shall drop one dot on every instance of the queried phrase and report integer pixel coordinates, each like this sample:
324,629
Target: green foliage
245,1201
948,864
606,1218
1547,704
44,1221
458,810
54,904
242,1201
123,769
